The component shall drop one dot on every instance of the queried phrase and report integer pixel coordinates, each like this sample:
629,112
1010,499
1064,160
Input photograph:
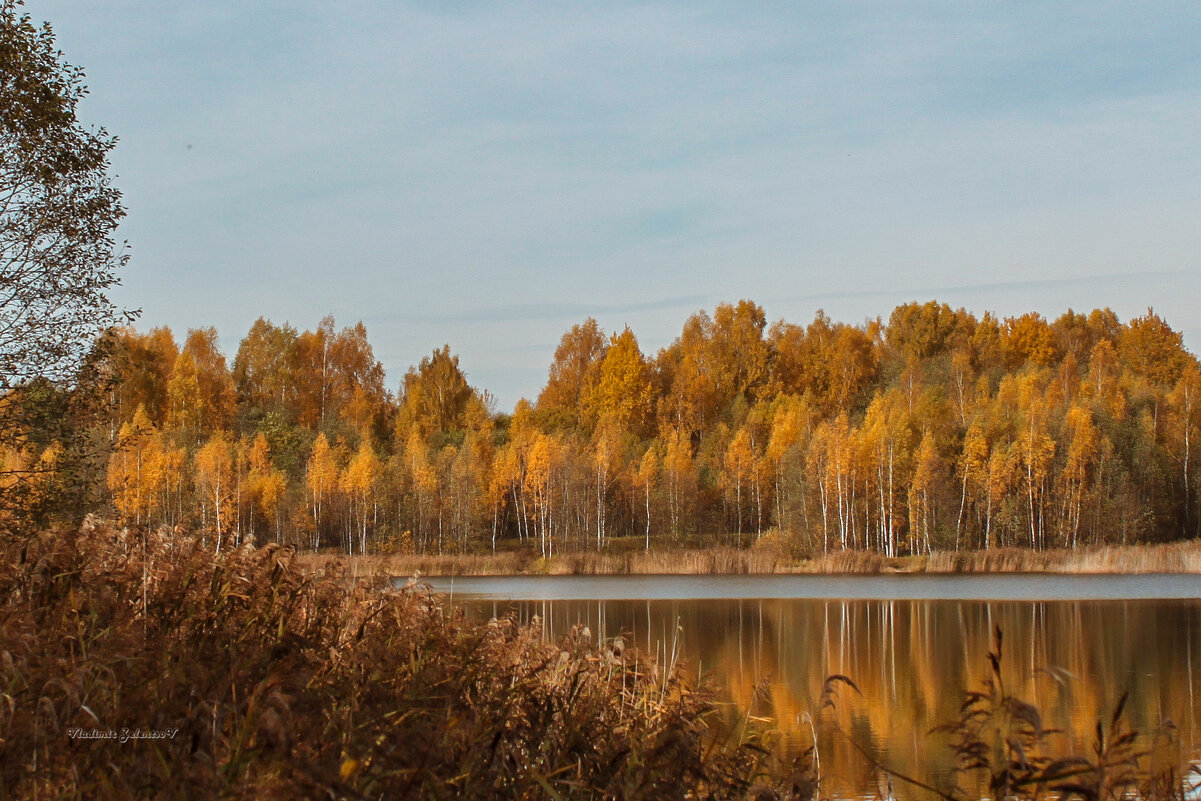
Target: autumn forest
932,430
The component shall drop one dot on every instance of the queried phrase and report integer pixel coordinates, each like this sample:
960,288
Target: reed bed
502,563
141,666
701,561
1179,557
1176,557
694,561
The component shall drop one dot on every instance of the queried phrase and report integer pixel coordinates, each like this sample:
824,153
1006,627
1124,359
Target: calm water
913,645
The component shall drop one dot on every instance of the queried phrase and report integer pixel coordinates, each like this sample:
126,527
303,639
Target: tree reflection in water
913,661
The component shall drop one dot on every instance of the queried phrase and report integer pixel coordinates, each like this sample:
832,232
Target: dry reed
1176,557
241,676
515,562
1180,557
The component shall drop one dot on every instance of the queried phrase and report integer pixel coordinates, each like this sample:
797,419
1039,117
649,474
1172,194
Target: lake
913,645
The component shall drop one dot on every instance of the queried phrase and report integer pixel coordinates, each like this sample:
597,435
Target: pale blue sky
487,175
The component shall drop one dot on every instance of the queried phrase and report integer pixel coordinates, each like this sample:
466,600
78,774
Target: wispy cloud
522,165
555,310
1091,281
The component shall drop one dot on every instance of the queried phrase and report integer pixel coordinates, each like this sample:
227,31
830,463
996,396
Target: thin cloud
555,311
510,169
992,286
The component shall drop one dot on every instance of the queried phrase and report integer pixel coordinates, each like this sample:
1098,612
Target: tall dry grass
1180,557
582,563
242,676
1176,557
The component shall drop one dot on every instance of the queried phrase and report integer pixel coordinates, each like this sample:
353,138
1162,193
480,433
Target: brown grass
1176,557
582,563
248,677
1181,557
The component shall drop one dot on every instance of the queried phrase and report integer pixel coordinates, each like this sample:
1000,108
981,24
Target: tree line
932,430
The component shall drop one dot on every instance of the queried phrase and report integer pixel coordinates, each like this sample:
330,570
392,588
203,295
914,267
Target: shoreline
1003,588
1179,557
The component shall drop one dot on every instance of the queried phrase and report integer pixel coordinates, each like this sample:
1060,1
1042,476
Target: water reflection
913,661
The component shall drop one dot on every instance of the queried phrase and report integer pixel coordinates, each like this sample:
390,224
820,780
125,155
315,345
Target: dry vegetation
580,563
1176,557
243,675
255,679
1004,749
1179,557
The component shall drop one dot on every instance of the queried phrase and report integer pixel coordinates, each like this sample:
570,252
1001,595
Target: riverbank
1180,557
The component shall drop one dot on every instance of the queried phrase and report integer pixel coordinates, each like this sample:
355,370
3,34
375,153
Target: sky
489,174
